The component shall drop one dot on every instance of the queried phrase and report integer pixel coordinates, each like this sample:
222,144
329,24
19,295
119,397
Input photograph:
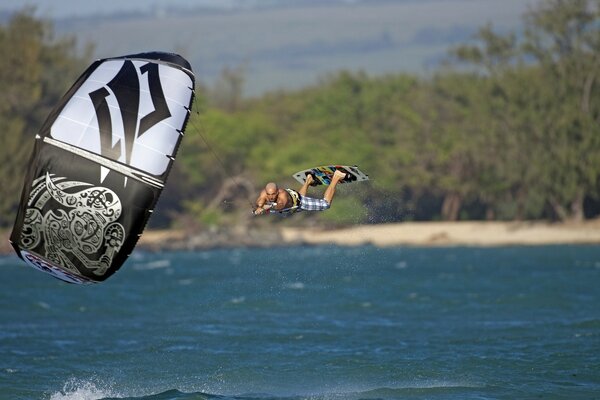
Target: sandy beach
467,233
394,234
453,233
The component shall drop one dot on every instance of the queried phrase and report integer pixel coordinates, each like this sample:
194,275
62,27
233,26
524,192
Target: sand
396,234
383,235
453,233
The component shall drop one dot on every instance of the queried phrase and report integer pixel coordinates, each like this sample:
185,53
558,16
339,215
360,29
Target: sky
281,47
71,8
78,8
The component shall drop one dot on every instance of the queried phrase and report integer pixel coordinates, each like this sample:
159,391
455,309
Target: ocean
309,323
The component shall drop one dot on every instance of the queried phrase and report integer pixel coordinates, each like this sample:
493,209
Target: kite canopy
99,164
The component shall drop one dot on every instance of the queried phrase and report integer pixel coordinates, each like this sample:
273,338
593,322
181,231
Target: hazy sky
67,8
283,47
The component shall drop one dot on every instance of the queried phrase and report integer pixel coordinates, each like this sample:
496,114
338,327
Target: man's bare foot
339,174
309,179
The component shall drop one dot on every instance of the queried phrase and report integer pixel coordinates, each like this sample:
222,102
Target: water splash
76,389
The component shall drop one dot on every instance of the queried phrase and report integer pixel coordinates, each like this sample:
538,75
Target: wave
152,265
75,390
295,286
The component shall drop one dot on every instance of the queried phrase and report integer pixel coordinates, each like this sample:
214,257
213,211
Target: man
274,199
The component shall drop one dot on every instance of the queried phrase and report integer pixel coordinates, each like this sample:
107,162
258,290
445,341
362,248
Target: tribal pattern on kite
80,224
100,163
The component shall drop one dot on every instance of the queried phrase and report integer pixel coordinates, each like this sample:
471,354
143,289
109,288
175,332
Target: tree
543,90
564,39
35,70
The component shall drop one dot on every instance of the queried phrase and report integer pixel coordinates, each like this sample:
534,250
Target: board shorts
307,203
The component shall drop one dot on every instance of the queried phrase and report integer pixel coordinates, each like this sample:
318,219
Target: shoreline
462,233
424,234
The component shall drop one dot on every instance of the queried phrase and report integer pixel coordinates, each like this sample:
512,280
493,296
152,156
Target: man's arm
260,203
307,182
262,199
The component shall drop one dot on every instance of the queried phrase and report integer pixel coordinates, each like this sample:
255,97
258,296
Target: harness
296,199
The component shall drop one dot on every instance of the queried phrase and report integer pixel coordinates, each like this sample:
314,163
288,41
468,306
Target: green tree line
36,69
508,129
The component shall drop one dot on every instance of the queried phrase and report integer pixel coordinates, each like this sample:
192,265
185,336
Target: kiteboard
322,175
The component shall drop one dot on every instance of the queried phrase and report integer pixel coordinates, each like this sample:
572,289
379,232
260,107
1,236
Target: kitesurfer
274,199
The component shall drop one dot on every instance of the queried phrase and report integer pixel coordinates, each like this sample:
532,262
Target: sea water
309,323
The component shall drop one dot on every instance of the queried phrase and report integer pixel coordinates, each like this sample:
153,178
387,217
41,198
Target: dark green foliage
35,70
515,136
545,98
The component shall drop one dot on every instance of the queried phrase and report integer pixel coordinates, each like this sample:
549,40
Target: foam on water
151,265
75,389
295,286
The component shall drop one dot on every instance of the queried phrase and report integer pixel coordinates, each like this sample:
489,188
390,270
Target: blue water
309,323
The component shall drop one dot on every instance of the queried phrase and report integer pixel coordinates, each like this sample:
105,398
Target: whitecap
157,264
43,305
75,389
295,285
238,300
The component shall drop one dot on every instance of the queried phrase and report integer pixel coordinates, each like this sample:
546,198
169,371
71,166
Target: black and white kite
99,164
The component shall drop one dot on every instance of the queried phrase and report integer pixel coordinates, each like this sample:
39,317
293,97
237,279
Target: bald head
271,188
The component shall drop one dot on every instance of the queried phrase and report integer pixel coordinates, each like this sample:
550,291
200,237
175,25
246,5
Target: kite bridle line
202,128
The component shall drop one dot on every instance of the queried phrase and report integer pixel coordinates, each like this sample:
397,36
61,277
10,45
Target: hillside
292,46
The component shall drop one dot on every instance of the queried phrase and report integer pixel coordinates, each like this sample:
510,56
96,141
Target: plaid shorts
311,204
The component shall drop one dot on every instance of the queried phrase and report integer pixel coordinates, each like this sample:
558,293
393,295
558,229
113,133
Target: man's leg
307,182
330,192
